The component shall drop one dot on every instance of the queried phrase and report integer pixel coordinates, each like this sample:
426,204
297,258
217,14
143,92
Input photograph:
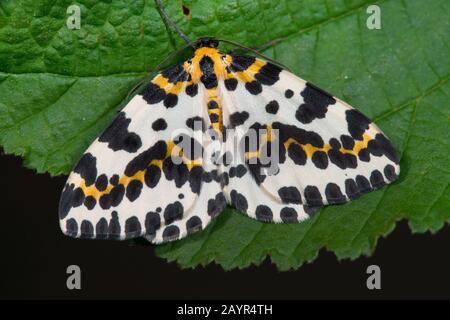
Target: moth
222,129
138,178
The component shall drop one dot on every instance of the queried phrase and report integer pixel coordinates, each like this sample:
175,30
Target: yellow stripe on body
212,95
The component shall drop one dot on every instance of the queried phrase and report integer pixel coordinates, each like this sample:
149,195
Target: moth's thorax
206,62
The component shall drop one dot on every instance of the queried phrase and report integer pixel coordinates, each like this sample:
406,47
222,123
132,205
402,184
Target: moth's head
207,42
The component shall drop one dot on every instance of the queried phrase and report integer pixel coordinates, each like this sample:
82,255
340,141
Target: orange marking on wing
169,87
248,75
358,145
172,149
310,149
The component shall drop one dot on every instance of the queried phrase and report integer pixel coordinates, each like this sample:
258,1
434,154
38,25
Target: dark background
35,255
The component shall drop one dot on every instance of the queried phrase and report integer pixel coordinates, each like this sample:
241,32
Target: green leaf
59,88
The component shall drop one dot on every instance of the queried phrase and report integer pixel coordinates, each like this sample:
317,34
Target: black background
35,255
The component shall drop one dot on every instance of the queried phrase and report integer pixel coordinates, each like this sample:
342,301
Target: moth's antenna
237,44
166,18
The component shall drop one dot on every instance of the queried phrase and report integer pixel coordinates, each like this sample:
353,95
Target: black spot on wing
65,203
238,171
272,107
171,233
387,148
114,227
170,100
77,197
376,179
173,212
241,63
289,93
192,90
300,135
389,172
71,227
297,154
176,171
114,180
87,168
195,179
254,87
90,202
238,201
363,184
105,201
374,147
175,73
320,159
351,189
313,196
347,142
333,193
132,227
364,155
152,223
159,125
238,118
70,197
335,144
118,137
153,94
231,84
357,123
288,215
342,160
216,205
102,182
315,104
268,74
290,195
101,229
116,195
193,224
86,230
134,190
140,162
264,213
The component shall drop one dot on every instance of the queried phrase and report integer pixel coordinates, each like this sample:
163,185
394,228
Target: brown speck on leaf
186,10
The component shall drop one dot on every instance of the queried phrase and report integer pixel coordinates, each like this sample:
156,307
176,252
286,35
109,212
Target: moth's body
208,66
128,183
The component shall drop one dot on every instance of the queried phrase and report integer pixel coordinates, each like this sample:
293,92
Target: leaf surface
59,88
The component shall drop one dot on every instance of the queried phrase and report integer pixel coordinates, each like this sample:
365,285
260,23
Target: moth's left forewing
128,184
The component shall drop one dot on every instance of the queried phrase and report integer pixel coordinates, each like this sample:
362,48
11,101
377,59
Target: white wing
328,151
